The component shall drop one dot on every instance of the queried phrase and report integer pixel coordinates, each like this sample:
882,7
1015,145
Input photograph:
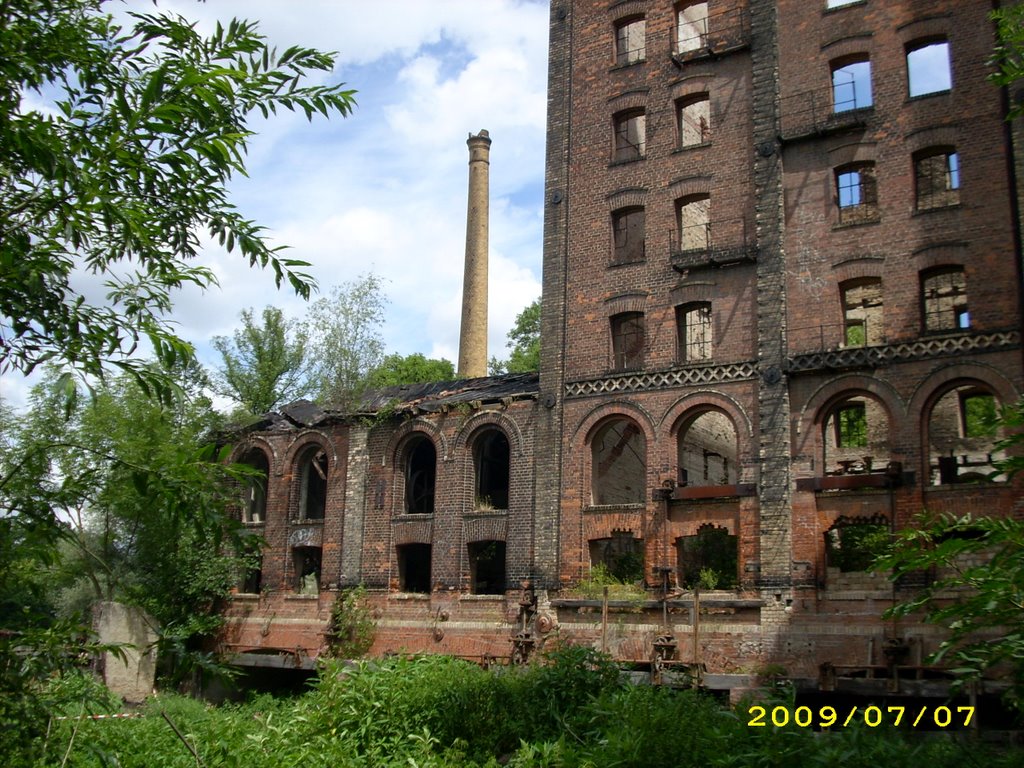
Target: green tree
125,172
1008,58
524,343
412,369
263,365
345,339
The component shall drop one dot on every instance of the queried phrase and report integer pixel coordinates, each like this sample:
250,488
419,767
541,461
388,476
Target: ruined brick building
781,293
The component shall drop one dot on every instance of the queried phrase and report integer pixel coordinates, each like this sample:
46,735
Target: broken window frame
628,331
923,64
851,425
313,473
308,564
944,300
691,26
856,193
851,84
693,120
254,500
630,41
628,235
420,475
862,312
936,178
615,438
694,331
630,135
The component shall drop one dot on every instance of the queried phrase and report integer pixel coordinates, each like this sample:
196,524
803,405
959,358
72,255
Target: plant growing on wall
351,629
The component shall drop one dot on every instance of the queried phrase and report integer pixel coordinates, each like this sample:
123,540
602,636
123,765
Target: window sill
410,596
634,506
867,220
254,523
690,147
926,96
937,208
857,4
244,597
414,517
306,521
296,596
471,598
627,161
628,65
617,264
487,513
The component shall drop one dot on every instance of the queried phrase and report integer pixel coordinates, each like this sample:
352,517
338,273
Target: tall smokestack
473,335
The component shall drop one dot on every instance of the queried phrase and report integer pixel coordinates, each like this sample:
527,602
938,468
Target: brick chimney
473,333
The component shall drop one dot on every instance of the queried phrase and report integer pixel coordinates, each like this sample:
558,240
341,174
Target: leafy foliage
265,365
524,343
352,628
344,329
1008,58
416,368
125,171
977,592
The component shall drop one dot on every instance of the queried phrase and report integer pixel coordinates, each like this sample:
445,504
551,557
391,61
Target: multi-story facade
781,296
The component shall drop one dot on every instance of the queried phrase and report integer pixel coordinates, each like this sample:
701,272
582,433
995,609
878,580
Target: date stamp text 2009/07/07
923,716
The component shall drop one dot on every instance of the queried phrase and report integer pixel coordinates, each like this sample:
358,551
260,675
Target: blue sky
384,190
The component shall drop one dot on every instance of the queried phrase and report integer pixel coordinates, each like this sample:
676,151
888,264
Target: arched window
707,452
313,483
694,120
619,458
962,436
420,476
630,43
254,500
856,436
491,465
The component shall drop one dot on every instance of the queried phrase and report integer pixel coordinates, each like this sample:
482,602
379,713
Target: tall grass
569,712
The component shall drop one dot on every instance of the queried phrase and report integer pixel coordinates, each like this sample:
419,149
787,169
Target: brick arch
692,404
633,197
479,421
586,425
255,443
303,440
690,186
941,381
852,152
859,267
848,47
485,529
691,86
626,302
694,290
402,433
936,136
933,26
623,102
940,255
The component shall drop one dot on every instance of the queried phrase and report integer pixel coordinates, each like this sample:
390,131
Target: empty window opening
420,476
693,332
937,179
856,437
628,235
694,121
709,559
852,544
856,193
414,567
707,451
862,312
851,85
630,135
619,458
487,567
840,3
695,223
630,45
491,457
307,562
621,556
254,500
627,341
928,69
313,479
252,565
963,437
944,293
691,26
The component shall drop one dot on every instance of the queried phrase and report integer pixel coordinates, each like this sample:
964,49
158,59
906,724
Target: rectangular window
695,223
856,194
928,69
937,179
691,27
945,300
628,341
630,136
851,86
630,44
695,121
852,426
628,236
862,312
693,324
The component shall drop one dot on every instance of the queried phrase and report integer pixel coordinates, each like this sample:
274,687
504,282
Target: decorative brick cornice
677,377
921,349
